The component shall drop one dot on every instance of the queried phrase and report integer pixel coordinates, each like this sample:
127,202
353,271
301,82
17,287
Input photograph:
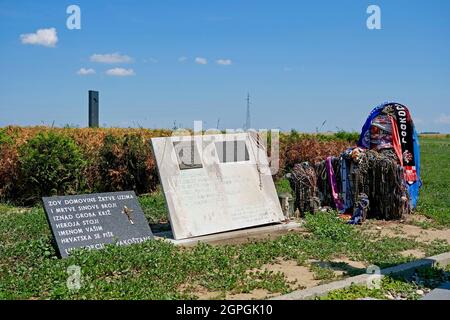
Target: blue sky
303,62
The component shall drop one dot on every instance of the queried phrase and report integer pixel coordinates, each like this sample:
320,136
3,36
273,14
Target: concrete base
403,269
441,293
237,236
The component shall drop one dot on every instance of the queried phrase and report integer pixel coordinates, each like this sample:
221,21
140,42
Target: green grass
434,201
154,207
283,186
322,273
30,269
391,287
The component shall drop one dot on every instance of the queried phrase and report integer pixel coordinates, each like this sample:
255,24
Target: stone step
441,293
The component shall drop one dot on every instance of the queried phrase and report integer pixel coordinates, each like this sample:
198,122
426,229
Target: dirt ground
407,228
301,277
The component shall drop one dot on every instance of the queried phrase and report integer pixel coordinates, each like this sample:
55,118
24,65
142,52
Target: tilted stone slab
215,183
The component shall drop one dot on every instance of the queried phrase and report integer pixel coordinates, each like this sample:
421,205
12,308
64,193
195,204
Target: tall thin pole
248,120
93,109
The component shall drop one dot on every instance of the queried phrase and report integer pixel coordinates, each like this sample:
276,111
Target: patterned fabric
364,139
405,128
408,140
360,212
381,133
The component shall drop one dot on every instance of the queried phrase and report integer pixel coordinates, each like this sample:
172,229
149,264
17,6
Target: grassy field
435,163
30,269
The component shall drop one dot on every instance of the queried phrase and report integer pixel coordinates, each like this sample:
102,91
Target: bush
50,164
133,168
5,138
126,164
347,136
283,186
309,149
8,171
124,160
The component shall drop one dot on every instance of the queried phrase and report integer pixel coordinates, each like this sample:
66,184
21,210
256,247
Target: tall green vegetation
126,164
50,164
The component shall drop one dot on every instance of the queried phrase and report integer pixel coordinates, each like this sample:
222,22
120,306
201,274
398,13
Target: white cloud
224,62
120,72
443,119
85,72
42,37
182,59
111,58
200,60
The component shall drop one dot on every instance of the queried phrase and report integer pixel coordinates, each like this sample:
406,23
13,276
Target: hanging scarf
334,188
405,130
396,141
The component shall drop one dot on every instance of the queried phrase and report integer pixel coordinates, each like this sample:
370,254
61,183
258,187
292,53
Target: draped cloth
396,141
334,186
408,141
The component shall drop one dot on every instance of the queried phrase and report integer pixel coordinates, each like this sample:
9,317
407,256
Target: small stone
420,292
378,228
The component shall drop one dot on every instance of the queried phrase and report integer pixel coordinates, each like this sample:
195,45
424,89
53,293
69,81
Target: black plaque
93,220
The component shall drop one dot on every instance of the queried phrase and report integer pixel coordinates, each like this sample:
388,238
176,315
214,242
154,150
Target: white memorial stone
224,184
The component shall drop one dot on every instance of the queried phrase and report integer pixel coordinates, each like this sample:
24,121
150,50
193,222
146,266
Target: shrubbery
126,164
309,149
41,161
50,164
8,165
5,138
340,136
110,159
347,136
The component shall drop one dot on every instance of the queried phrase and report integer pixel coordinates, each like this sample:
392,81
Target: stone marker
93,220
215,183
